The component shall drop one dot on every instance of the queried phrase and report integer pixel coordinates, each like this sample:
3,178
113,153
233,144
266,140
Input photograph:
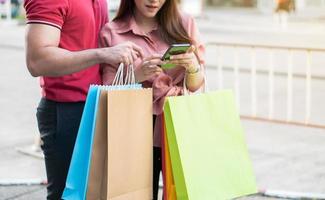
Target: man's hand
125,53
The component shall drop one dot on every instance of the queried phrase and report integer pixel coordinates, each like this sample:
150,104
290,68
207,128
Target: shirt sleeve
49,12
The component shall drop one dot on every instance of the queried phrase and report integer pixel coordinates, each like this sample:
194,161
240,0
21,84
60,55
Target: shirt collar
131,25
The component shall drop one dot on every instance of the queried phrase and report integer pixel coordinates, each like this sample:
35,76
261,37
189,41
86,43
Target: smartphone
174,49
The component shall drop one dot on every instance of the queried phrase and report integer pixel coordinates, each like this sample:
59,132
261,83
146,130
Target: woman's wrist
193,69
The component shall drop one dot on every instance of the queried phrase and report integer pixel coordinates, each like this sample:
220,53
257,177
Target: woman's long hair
171,29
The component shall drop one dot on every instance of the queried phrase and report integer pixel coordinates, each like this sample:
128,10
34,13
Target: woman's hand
149,67
187,60
194,77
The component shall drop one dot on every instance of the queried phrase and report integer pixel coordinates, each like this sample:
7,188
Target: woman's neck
147,24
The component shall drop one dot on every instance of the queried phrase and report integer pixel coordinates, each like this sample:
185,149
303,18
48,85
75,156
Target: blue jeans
58,124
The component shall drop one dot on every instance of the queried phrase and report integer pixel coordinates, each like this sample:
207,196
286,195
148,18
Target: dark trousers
157,165
58,124
156,171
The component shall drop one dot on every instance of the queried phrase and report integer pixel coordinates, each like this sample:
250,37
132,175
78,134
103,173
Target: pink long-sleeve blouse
168,83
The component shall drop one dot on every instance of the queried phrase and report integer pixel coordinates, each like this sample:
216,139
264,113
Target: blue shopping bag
76,184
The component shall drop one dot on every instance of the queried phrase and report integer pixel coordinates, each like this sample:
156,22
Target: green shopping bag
209,156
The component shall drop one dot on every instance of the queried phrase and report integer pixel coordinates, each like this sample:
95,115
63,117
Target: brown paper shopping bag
121,161
130,144
97,182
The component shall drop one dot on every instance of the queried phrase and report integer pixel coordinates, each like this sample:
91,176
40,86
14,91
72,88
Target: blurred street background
274,62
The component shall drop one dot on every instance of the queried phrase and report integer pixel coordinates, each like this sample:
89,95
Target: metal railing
271,79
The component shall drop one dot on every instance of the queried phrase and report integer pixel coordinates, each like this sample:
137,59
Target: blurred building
241,3
267,4
300,5
193,7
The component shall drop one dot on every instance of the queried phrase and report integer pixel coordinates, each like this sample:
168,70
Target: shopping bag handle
119,77
130,76
204,88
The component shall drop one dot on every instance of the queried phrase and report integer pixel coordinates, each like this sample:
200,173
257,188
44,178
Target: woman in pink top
154,25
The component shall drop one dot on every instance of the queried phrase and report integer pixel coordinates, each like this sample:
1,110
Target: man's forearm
54,61
44,57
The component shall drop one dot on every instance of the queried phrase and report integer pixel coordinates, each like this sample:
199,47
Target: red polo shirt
80,22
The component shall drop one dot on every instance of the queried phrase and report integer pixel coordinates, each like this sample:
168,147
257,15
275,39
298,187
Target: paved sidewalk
39,193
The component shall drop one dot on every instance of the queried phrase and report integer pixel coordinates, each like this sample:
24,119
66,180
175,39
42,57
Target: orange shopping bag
169,185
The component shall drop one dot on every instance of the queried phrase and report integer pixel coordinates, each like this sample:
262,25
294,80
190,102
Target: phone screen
174,50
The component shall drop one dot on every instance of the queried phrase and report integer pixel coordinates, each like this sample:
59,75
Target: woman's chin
150,14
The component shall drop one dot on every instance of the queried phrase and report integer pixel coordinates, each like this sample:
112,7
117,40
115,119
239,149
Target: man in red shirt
62,49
